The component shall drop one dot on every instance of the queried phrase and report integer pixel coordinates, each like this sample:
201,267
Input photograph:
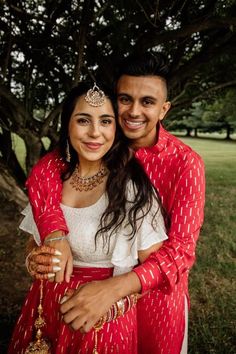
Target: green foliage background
46,47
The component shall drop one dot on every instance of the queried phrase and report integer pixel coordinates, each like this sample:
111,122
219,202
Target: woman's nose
94,130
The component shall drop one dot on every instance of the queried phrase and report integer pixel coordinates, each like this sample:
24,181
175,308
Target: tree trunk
34,148
10,158
228,132
9,188
188,133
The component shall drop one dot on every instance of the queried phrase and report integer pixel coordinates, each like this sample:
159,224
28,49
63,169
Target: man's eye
148,102
124,99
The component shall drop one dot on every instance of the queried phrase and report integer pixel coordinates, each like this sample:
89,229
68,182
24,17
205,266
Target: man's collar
162,137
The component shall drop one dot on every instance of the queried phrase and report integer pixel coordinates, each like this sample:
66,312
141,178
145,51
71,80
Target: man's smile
133,124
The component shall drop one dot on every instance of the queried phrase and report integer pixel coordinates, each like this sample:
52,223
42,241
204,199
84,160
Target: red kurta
178,174
119,336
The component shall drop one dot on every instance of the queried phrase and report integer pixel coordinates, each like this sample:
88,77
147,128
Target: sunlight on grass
212,280
19,148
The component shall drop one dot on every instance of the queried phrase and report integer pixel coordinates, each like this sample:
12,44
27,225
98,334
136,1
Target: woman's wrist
55,236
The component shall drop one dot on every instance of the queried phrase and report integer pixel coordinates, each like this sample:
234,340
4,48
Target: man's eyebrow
150,98
123,94
142,98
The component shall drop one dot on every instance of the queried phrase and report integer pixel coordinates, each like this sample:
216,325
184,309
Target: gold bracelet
59,238
27,263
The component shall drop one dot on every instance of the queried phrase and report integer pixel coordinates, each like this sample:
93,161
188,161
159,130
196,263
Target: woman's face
92,130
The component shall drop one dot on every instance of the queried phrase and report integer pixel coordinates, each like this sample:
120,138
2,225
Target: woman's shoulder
51,159
51,163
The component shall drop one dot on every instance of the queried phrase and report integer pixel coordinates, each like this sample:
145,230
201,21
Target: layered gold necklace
87,183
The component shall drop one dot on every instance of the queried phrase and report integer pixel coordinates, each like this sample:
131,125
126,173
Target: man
177,172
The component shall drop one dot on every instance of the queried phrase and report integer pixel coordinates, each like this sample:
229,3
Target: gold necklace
87,183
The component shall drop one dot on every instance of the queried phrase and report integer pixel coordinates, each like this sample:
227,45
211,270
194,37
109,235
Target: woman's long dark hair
123,170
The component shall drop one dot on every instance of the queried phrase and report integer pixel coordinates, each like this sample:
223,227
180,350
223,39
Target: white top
83,224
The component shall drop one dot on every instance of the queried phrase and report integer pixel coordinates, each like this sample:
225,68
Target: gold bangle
121,307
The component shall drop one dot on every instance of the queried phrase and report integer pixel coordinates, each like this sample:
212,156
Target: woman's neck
89,168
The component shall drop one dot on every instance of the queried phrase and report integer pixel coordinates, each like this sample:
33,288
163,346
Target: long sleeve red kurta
177,172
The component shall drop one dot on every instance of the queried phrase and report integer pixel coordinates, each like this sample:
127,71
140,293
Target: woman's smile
92,145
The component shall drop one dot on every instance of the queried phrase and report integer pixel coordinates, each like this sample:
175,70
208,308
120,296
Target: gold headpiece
95,97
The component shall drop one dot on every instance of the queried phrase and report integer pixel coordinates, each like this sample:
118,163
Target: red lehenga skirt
119,336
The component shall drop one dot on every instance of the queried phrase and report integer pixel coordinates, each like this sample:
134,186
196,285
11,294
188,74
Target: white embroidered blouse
83,224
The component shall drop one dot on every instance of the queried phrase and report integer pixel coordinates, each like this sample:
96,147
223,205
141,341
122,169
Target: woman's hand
66,260
51,261
42,262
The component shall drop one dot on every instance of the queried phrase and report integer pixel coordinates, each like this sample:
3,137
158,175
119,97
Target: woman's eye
106,121
82,121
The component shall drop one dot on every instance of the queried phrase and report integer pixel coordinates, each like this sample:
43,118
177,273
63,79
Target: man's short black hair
148,63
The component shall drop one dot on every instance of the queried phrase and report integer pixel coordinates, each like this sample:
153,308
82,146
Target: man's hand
88,303
92,300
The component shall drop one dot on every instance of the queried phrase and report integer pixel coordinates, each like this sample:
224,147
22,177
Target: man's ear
165,108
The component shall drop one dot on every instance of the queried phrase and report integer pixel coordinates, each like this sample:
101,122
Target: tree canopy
48,46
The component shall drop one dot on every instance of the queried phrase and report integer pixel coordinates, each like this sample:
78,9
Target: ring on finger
51,275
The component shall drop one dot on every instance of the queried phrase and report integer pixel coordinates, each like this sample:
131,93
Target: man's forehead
150,85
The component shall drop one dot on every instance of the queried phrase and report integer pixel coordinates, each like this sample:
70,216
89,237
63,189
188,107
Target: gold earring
68,155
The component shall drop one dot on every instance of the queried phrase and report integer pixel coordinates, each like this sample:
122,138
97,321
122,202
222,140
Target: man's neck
147,141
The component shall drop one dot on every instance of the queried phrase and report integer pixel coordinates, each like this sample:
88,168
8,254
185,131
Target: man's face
142,104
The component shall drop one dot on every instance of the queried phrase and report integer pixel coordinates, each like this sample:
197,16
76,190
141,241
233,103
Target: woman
114,219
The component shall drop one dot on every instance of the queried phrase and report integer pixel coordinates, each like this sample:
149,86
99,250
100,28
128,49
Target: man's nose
134,110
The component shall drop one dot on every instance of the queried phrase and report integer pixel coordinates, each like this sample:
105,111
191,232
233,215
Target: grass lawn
212,280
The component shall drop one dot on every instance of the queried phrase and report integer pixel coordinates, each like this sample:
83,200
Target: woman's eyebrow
105,115
82,114
87,115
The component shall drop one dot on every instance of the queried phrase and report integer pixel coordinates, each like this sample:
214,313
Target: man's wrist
125,284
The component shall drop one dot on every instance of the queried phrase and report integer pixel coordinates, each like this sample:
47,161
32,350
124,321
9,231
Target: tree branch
86,19
175,103
50,118
15,103
146,14
154,38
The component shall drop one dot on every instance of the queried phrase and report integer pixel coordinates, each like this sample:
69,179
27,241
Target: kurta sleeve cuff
51,221
149,275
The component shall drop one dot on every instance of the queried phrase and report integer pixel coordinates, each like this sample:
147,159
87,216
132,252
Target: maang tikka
95,97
